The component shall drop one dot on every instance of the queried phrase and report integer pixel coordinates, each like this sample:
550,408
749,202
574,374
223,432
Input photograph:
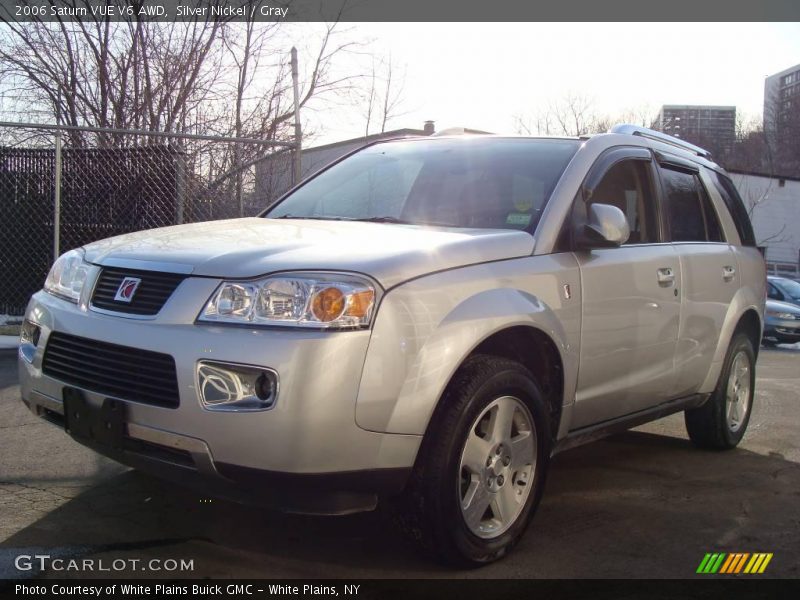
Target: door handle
666,276
728,273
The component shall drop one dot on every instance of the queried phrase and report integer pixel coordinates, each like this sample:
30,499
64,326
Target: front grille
154,290
119,371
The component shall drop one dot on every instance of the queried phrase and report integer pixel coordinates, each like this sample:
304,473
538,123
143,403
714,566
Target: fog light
234,387
29,336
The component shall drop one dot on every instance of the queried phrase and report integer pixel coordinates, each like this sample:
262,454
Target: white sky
480,75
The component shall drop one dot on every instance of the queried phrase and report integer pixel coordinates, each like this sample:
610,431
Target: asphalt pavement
640,504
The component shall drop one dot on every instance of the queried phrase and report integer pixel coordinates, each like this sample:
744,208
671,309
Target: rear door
708,269
631,307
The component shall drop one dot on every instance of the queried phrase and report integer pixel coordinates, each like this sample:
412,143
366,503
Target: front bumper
308,441
783,330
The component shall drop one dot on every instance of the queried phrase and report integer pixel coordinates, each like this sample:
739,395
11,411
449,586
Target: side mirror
606,227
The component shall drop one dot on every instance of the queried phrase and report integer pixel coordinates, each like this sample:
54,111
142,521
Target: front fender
426,328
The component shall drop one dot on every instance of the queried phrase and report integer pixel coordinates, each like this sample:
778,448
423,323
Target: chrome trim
201,454
196,447
146,265
37,398
112,313
644,132
198,387
123,315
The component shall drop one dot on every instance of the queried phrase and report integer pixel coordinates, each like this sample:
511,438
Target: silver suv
425,321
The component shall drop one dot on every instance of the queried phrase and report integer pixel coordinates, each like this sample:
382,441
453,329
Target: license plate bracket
104,425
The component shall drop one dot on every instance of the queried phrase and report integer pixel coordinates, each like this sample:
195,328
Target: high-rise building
781,98
710,127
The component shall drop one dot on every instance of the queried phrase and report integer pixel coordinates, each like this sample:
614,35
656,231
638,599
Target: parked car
781,323
426,322
783,290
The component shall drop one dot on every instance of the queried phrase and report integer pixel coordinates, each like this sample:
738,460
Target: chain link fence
63,187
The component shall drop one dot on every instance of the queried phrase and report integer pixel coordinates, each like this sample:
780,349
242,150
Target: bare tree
132,74
173,77
383,95
782,113
210,76
575,115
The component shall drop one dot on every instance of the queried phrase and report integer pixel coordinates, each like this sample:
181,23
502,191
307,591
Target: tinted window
772,292
736,207
470,182
691,215
789,287
713,228
628,186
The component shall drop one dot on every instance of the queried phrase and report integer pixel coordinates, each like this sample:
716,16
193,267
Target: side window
713,228
691,215
628,186
736,207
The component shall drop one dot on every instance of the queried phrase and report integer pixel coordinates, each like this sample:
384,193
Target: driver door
631,299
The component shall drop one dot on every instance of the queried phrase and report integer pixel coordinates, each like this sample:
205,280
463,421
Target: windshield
464,182
790,287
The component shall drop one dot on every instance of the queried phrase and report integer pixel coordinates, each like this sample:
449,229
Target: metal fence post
180,185
57,199
297,162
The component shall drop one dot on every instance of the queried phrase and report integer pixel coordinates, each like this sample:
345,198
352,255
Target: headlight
67,276
330,301
782,315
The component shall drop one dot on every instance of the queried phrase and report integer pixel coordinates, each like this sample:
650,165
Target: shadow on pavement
636,504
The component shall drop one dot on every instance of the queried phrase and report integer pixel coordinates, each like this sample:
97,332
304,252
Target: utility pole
57,198
298,134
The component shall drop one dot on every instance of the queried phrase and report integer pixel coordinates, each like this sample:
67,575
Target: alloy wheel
497,466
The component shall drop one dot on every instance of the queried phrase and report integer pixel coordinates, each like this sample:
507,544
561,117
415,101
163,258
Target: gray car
426,321
781,323
782,289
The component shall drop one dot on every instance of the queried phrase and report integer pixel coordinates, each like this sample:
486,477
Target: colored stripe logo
734,563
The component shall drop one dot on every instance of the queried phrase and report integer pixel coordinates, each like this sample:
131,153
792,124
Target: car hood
250,247
777,305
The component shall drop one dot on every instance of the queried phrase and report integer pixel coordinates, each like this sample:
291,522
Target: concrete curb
8,344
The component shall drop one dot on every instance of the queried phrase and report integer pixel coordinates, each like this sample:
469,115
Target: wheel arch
744,317
537,352
400,391
750,323
529,346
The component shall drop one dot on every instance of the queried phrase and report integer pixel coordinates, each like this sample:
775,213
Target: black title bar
707,588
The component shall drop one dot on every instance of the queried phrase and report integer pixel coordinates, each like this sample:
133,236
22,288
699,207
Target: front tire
481,471
721,422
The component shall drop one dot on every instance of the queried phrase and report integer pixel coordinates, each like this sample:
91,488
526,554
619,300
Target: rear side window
691,215
736,207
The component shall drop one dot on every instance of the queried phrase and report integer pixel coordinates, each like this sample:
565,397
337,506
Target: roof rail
660,137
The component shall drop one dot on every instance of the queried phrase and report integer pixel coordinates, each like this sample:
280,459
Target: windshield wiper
312,218
386,219
397,221
381,219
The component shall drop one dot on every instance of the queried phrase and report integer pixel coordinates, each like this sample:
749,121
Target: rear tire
481,471
721,422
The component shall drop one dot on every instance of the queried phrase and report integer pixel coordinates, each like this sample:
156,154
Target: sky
480,75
